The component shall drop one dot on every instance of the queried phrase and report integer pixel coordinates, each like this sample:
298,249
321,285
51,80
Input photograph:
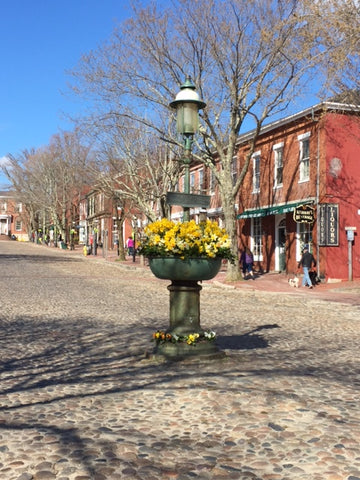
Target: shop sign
188,199
328,225
304,214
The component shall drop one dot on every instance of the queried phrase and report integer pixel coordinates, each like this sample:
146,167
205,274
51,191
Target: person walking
247,260
307,262
130,244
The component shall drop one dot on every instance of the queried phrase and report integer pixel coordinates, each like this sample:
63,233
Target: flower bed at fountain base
180,351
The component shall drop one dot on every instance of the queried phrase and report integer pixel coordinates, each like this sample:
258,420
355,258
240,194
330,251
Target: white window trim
277,148
212,183
192,182
301,138
255,156
18,223
201,180
182,183
257,258
299,245
234,169
304,136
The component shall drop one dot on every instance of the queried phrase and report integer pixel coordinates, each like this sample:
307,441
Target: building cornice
310,111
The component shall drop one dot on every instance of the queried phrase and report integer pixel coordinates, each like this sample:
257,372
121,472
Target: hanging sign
304,214
328,225
188,199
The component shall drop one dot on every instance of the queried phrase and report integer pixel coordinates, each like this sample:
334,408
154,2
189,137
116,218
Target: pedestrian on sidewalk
130,245
307,262
247,261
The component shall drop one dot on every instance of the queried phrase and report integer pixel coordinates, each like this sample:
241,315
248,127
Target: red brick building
303,187
13,217
98,219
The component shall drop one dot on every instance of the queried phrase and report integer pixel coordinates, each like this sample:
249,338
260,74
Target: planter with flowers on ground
185,253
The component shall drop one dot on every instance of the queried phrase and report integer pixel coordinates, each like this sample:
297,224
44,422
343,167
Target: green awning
273,210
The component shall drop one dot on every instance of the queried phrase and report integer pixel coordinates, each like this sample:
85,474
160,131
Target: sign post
350,238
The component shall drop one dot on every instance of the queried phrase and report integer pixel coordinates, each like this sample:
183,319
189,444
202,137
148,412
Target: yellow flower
160,336
187,239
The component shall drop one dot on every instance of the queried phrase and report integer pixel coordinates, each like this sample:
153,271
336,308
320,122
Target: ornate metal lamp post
185,273
187,104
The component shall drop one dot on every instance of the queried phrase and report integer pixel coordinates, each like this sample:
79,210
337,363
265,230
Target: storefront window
257,239
304,237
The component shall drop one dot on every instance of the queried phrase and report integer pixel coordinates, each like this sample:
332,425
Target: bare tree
141,169
49,180
249,60
22,183
341,35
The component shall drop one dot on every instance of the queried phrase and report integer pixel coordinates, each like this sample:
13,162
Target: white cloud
4,161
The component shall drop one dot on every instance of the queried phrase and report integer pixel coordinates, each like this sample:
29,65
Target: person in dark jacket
247,261
307,262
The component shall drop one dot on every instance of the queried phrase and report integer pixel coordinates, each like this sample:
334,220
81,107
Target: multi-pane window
101,200
304,157
234,170
257,238
256,172
212,181
201,180
304,234
18,225
278,164
91,206
192,182
305,237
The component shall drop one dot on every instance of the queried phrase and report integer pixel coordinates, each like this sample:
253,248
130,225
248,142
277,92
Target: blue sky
39,41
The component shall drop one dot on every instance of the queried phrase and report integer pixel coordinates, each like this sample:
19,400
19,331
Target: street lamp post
187,104
134,235
186,273
95,232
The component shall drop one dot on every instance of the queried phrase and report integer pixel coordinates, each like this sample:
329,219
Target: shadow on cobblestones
247,341
47,354
38,258
52,368
54,352
80,399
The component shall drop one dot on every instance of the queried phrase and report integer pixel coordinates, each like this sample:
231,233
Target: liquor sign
304,214
329,225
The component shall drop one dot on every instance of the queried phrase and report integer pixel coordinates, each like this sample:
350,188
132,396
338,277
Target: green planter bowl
190,269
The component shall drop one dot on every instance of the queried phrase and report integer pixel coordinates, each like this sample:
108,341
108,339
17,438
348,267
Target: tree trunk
233,272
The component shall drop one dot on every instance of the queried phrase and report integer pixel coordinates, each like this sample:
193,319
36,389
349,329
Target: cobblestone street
80,400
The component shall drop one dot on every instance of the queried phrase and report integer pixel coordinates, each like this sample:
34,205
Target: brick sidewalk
346,291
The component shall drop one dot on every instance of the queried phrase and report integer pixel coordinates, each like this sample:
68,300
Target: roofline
296,116
7,193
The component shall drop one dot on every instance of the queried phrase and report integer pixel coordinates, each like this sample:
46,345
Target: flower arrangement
165,238
161,337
